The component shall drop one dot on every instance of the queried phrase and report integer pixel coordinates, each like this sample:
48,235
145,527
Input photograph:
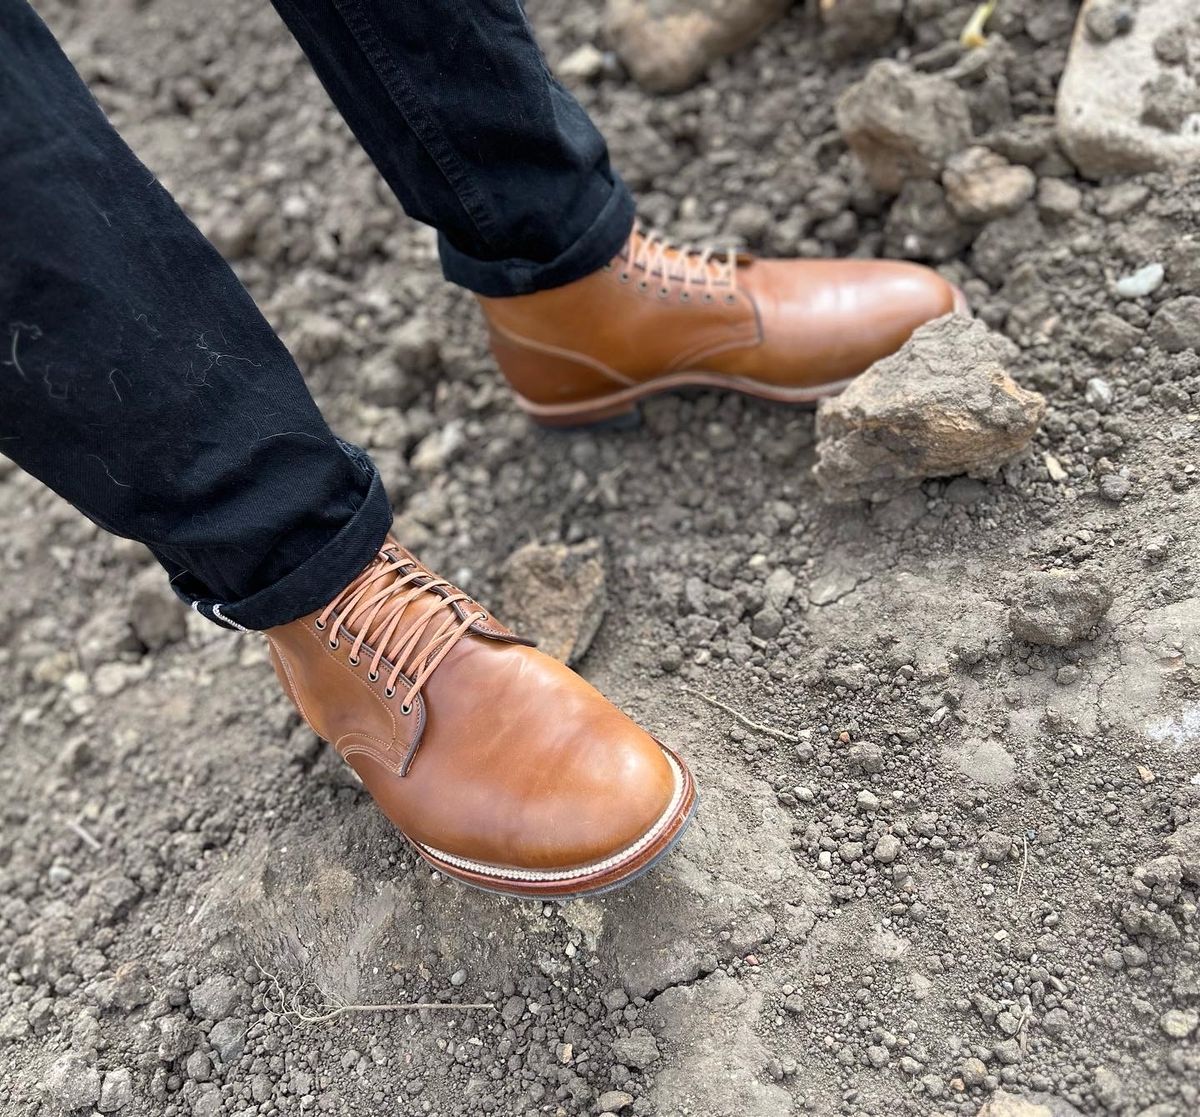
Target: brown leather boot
658,317
501,766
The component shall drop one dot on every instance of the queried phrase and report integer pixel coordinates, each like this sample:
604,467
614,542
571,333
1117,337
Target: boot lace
373,609
655,255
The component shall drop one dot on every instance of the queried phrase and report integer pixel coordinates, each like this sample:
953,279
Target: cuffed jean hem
319,579
603,239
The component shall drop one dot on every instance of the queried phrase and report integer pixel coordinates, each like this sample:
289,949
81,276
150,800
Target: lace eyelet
685,297
643,285
373,676
335,643
730,300
354,661
708,297
319,626
664,292
624,277
608,267
390,692
405,709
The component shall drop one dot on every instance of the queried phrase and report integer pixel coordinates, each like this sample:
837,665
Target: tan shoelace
372,609
651,252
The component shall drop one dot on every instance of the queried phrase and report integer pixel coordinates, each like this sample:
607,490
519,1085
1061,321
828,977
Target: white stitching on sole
585,871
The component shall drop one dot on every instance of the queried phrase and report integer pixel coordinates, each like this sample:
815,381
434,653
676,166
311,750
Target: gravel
170,830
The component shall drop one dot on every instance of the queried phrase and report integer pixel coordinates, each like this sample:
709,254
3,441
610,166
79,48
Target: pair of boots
501,766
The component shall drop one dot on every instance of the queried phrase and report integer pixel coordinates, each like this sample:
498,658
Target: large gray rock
1058,607
668,44
943,405
555,594
1123,108
903,125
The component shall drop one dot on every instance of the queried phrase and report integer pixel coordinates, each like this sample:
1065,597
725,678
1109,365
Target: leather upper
787,324
829,320
520,763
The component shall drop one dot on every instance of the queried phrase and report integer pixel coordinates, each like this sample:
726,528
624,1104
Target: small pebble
1115,487
1054,467
867,801
1144,281
1179,1024
887,849
1098,393
1156,550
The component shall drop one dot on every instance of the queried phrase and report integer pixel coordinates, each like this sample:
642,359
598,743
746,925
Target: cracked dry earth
936,869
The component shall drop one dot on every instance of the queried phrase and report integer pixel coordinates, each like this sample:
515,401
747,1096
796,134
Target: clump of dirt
936,868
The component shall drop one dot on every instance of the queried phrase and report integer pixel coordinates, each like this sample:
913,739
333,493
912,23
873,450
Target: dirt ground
932,861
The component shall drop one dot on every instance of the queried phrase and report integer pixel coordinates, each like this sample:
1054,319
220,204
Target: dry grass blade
972,35
741,718
295,1011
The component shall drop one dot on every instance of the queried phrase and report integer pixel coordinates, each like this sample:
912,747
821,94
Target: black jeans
137,378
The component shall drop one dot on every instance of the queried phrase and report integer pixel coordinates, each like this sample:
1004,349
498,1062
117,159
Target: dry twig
1024,865
757,727
295,1012
78,830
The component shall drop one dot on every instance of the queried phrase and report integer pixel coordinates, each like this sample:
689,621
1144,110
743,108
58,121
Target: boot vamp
824,321
522,763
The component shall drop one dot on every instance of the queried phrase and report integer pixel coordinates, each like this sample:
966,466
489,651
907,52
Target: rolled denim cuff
320,578
602,240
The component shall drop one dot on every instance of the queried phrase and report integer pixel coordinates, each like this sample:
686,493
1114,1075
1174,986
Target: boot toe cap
825,321
581,838
623,790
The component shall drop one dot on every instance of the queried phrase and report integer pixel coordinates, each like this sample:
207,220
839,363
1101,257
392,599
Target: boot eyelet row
373,676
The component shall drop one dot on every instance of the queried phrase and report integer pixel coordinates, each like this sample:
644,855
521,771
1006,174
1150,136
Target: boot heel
629,419
589,398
